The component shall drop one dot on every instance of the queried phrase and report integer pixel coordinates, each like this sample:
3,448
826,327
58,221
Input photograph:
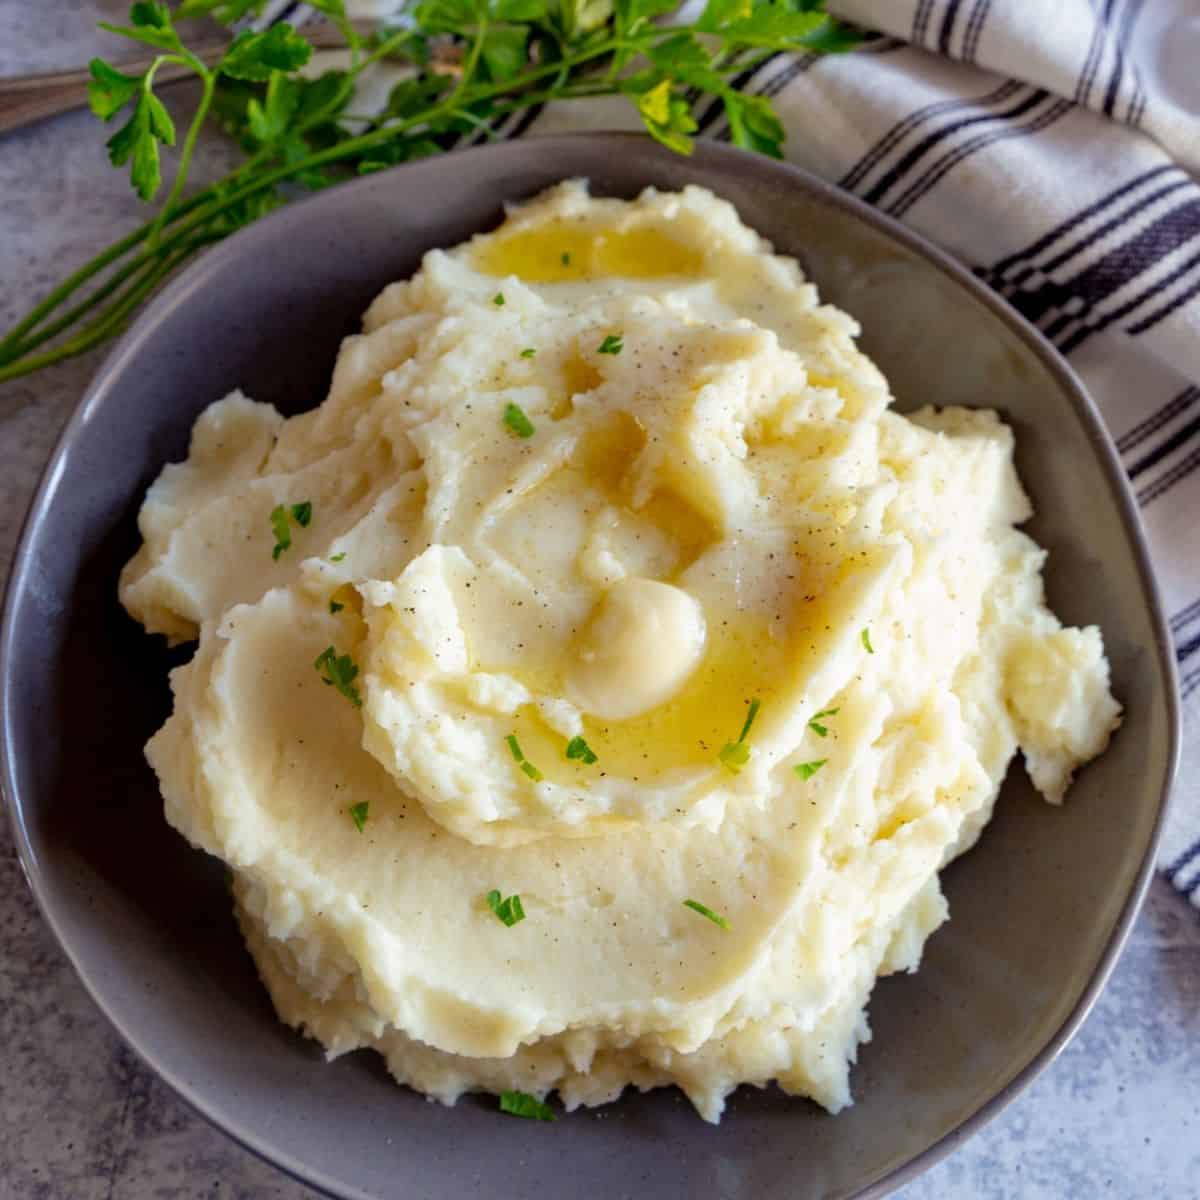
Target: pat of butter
643,640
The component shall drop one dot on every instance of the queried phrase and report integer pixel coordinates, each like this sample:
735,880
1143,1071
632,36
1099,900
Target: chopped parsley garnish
358,814
280,524
809,769
508,910
866,641
815,722
517,421
528,352
519,756
705,911
612,344
578,748
498,299
337,557
521,1104
735,755
281,529
566,259
339,672
335,607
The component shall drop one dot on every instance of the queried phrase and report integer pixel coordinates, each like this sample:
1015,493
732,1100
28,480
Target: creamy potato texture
589,495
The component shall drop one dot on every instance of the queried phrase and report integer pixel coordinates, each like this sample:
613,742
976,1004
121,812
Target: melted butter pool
565,251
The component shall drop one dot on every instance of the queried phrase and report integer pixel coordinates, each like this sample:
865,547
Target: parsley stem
185,158
104,327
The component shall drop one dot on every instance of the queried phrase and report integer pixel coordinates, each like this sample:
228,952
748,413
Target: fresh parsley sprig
471,63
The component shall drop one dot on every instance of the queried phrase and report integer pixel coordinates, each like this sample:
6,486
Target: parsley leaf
517,421
509,910
137,141
521,1104
666,115
254,56
806,770
504,52
149,23
269,120
225,11
735,755
753,124
110,90
612,344
339,672
577,748
358,814
866,641
302,513
814,722
705,911
528,352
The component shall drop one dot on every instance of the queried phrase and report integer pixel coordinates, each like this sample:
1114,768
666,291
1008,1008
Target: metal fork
28,98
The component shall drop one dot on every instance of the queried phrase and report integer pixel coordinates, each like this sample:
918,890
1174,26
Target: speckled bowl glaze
1039,908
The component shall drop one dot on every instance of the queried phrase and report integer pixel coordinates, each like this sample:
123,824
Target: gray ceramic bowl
1039,908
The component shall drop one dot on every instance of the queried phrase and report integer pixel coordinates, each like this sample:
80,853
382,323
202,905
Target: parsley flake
358,814
815,721
517,421
508,910
521,1104
335,607
519,757
566,259
282,531
336,558
807,770
281,517
735,755
612,344
498,299
339,672
866,641
705,911
577,748
528,352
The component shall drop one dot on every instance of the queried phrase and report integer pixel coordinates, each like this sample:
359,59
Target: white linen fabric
1053,146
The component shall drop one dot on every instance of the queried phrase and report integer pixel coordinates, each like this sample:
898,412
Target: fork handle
30,98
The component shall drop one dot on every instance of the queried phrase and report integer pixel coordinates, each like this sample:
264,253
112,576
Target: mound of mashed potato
604,578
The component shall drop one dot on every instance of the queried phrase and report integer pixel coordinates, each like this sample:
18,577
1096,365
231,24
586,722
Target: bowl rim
707,155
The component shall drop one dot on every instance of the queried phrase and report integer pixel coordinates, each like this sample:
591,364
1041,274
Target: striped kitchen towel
1053,146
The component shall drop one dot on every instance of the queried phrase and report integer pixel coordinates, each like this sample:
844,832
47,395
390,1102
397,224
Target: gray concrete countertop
1117,1114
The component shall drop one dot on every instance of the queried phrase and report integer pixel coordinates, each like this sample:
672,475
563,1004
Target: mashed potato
604,578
